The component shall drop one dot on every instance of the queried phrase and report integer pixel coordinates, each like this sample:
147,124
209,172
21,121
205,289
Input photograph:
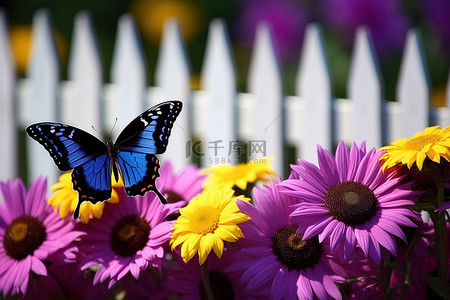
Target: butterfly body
132,156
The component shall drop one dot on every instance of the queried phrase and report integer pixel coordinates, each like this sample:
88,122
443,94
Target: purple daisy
128,238
66,282
31,234
351,200
185,279
276,256
182,186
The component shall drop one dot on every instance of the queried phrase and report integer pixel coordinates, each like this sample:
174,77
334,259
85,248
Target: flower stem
440,229
207,281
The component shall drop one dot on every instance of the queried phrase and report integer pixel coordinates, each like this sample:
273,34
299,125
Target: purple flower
182,186
185,279
66,282
350,200
31,234
437,13
128,238
286,19
277,257
384,18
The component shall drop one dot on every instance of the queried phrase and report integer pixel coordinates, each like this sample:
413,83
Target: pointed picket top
8,121
172,75
265,84
82,109
314,86
365,89
218,79
128,74
413,87
43,74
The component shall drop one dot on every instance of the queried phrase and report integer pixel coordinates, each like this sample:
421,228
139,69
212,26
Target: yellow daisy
228,176
66,198
208,220
433,143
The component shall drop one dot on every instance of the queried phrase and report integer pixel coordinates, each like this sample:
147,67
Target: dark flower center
129,235
293,251
350,202
221,286
173,196
24,235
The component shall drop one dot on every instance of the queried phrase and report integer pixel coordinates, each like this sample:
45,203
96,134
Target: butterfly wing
73,148
69,147
145,136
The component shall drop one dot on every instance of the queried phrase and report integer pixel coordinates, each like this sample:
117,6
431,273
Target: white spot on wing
144,121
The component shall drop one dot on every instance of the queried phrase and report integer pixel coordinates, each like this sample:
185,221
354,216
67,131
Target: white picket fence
218,111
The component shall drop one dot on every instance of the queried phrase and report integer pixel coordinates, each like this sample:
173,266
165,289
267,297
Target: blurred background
388,21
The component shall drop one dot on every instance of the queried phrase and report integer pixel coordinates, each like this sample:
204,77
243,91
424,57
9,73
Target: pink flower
128,238
276,259
31,234
351,201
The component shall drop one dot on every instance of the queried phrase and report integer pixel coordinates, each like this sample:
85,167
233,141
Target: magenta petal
317,227
316,283
304,289
38,267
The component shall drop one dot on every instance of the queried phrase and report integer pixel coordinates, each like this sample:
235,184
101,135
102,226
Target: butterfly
93,162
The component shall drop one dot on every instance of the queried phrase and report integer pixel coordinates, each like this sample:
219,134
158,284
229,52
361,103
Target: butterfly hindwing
139,172
69,147
92,181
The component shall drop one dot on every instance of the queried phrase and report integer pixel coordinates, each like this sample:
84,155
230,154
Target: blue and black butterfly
93,162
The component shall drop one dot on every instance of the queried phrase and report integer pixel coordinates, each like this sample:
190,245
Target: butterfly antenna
114,126
98,131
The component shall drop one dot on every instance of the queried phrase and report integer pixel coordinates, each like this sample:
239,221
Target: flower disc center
205,220
293,251
350,202
420,142
24,235
129,235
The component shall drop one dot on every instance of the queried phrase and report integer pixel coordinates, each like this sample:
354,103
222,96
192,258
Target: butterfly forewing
68,146
149,132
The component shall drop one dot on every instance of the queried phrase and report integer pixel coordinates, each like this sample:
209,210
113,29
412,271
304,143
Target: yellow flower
66,198
150,16
228,176
208,220
433,143
21,38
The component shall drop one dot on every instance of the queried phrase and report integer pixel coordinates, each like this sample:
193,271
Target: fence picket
413,88
219,83
128,74
43,74
85,77
264,82
365,90
314,86
173,78
8,120
217,114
